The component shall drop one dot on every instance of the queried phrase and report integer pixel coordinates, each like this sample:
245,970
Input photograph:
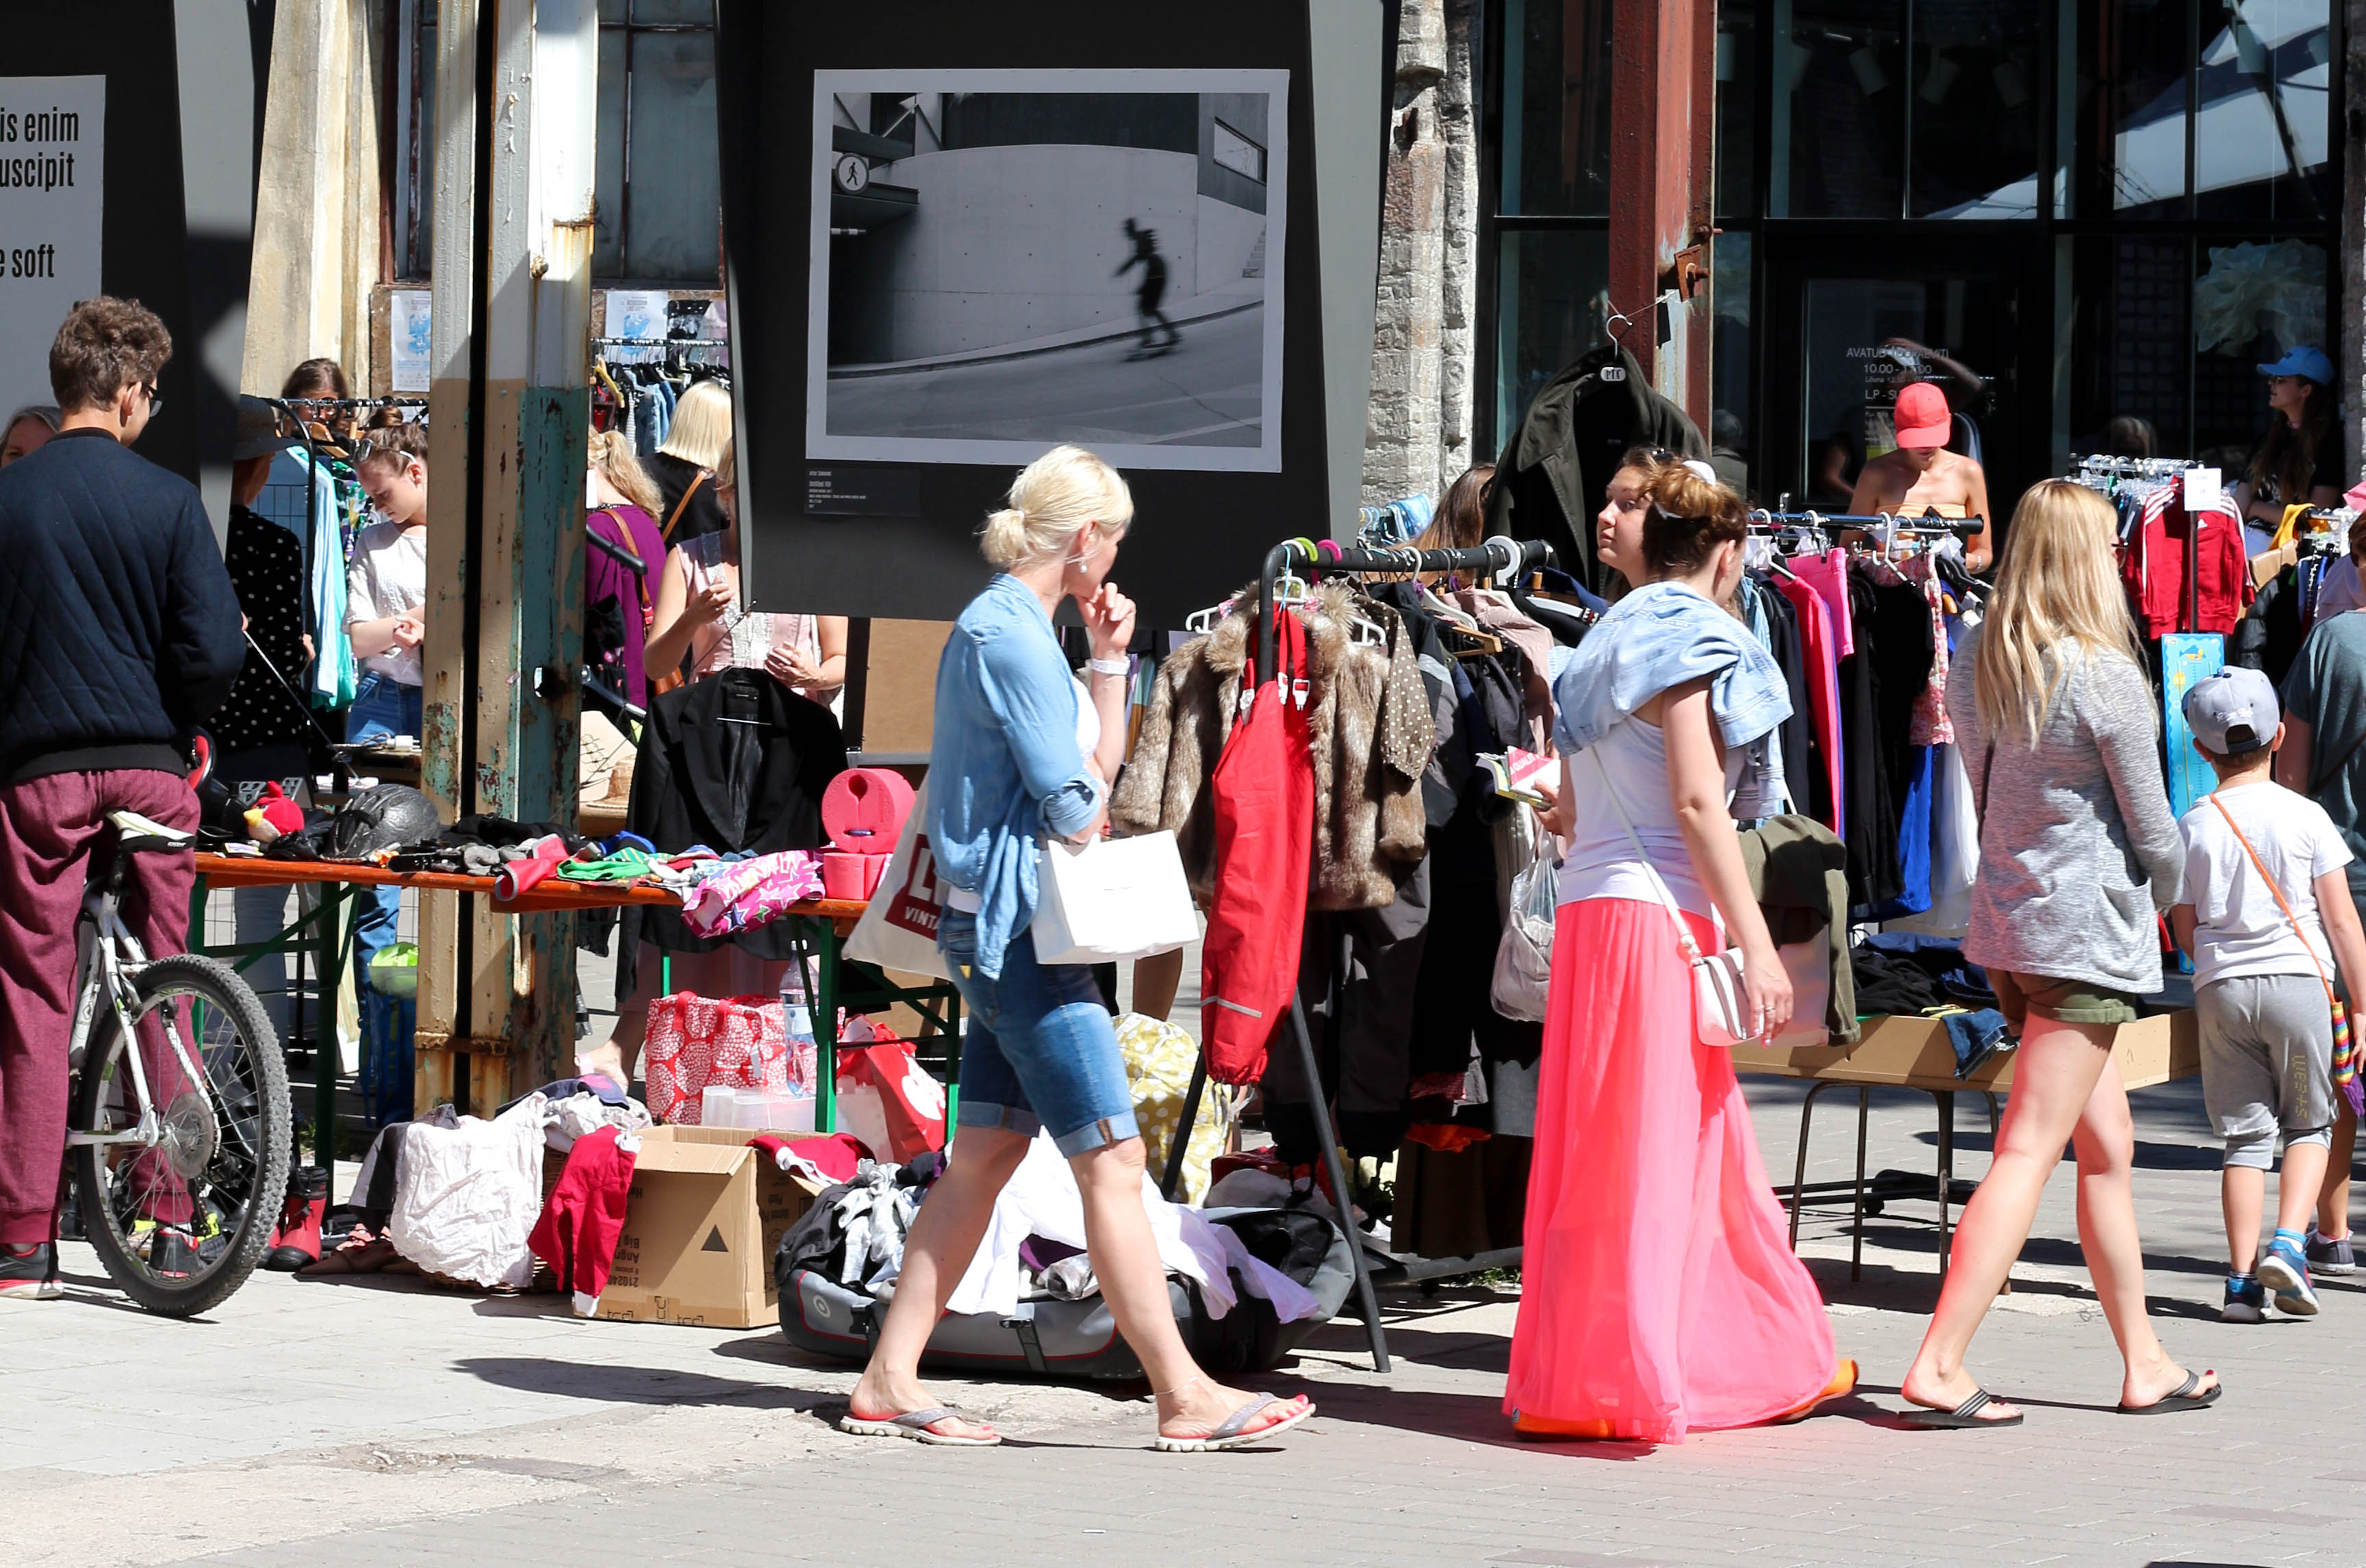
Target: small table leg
327,982
1857,1231
825,995
1947,1100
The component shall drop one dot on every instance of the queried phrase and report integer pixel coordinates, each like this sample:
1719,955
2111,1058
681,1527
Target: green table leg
334,896
824,1021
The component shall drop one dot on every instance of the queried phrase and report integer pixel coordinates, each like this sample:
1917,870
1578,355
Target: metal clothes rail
1498,559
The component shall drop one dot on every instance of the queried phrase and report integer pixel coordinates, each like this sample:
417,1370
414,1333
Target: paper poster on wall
52,170
410,330
1002,259
635,315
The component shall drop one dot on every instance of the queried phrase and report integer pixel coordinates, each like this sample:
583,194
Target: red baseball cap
1922,415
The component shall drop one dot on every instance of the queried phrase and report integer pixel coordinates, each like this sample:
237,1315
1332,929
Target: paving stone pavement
373,1423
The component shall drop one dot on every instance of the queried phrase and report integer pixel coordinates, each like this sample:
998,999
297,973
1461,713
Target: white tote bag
899,928
1112,899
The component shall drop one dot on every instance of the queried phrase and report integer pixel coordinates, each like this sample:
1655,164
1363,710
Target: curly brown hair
104,345
1690,516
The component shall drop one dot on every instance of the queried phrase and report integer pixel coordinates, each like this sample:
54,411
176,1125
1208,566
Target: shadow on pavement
635,1385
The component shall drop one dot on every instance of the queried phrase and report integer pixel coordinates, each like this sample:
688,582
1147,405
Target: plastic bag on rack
1523,956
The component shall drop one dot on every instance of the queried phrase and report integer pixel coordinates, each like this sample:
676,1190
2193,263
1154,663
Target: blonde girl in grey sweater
2078,855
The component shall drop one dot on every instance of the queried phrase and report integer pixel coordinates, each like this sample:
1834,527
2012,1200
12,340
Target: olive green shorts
2063,1000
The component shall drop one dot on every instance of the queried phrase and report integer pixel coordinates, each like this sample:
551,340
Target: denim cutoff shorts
1042,1051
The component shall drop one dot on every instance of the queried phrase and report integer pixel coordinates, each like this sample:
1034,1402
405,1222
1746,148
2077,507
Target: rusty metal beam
512,408
1662,68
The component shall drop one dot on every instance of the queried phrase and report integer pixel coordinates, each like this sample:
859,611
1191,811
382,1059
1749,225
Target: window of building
660,201
659,213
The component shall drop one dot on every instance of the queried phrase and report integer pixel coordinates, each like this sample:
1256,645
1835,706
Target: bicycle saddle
136,833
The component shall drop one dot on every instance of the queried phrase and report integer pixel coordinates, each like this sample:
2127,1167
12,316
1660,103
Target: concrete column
2352,244
317,239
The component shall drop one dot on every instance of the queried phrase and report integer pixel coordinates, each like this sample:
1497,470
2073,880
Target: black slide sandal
2181,1398
1964,1416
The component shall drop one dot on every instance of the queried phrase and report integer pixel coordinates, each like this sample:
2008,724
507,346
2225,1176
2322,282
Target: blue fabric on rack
334,679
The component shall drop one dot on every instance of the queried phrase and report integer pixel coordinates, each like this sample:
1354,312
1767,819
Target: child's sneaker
2326,1256
2247,1301
2284,1271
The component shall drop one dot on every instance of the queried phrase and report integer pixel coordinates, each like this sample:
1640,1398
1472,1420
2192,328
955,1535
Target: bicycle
179,1125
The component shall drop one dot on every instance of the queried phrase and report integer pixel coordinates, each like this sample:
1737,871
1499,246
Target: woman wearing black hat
2298,461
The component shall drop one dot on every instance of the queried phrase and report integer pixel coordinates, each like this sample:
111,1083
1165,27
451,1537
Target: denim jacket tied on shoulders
1003,767
1662,635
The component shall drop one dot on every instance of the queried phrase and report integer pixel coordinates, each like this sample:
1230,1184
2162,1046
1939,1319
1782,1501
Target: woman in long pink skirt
1658,1295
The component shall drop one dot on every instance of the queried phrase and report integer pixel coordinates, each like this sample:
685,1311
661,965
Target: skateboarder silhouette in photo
1153,288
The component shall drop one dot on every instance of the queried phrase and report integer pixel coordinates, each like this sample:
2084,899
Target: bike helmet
381,818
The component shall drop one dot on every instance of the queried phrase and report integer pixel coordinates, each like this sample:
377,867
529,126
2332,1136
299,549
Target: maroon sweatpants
50,830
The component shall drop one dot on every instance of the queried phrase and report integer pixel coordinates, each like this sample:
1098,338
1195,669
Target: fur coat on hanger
1371,732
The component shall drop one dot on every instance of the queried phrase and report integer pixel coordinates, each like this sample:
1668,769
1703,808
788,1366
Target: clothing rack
2086,470
1498,560
1891,522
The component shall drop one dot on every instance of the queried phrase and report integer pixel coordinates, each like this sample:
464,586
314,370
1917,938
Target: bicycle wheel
179,1225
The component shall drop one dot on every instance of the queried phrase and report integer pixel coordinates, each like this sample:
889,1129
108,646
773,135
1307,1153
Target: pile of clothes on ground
1246,1283
456,1198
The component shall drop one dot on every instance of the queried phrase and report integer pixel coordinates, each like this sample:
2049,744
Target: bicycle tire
215,984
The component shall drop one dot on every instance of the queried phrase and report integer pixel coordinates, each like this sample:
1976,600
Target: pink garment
1929,724
1828,574
1661,1295
584,1216
1816,639
752,892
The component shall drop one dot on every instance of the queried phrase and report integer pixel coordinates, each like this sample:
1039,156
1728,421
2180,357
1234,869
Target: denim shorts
1041,1052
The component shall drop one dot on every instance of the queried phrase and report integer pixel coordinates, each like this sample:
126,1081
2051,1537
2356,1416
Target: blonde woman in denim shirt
1022,755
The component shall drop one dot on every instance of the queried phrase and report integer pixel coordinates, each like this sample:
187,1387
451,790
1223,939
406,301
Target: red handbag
696,1040
1263,796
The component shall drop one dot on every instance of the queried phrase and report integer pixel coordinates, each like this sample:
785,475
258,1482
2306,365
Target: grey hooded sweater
2078,852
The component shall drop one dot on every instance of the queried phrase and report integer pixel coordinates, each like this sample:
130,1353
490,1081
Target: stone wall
1418,435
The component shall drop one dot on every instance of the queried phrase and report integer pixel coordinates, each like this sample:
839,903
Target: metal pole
1365,1297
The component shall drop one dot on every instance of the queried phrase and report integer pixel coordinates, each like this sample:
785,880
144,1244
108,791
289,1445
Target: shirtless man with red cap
1921,474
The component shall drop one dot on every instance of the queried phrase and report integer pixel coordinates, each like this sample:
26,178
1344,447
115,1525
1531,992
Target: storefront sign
53,177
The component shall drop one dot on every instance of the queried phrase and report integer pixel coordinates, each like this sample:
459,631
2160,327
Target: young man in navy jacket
119,634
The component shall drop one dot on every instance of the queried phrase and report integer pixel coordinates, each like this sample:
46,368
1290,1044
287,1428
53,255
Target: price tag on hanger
2202,491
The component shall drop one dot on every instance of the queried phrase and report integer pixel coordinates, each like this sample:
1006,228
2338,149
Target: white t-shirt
2237,928
388,576
1600,863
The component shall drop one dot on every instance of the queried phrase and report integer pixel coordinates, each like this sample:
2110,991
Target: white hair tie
1700,470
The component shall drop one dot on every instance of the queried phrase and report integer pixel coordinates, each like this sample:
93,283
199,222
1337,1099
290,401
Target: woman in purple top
623,500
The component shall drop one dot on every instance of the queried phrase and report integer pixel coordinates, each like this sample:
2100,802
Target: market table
819,925
1914,1053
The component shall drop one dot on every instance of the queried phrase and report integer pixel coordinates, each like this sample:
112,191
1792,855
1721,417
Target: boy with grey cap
2267,912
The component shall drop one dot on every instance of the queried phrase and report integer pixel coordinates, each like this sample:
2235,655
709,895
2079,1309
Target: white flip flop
1229,1435
915,1425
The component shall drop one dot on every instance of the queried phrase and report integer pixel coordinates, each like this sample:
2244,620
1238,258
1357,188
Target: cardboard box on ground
704,1217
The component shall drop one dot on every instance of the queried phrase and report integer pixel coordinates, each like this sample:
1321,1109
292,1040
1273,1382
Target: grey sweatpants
2267,1063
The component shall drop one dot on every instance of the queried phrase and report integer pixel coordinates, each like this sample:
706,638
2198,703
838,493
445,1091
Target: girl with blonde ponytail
2078,855
1024,754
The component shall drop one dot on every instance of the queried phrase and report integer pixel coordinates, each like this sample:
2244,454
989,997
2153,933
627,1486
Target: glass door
1854,324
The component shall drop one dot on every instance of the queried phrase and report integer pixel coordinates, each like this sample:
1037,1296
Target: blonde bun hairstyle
1053,499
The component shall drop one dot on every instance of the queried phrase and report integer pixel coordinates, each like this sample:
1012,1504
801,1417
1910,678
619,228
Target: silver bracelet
1109,666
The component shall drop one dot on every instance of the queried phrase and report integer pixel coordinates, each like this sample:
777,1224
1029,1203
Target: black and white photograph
1003,259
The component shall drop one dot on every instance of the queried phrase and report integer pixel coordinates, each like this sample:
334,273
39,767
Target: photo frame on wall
957,236
1005,260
